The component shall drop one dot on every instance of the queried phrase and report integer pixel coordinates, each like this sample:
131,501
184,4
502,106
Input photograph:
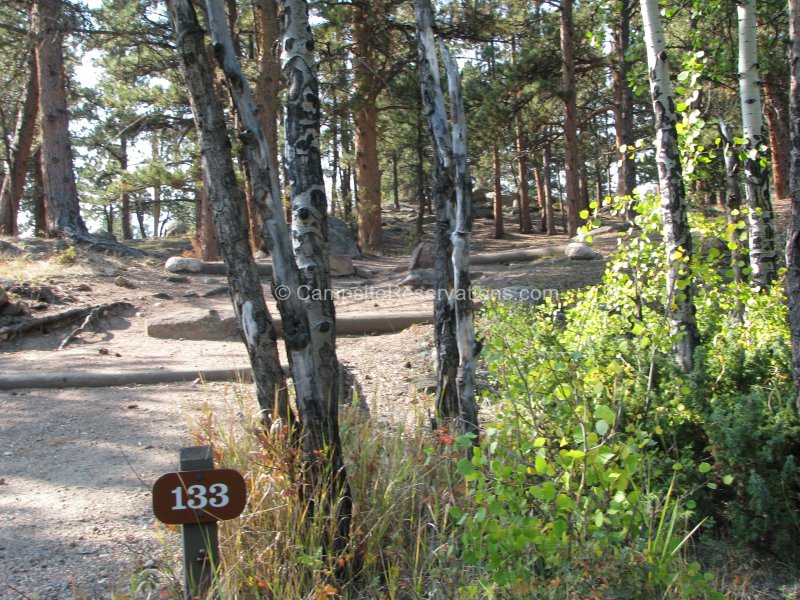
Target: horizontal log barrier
84,379
516,255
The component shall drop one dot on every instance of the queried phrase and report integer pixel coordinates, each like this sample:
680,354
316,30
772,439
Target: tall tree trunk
763,263
220,180
302,277
310,233
538,178
155,211
370,234
524,189
777,112
61,192
39,204
677,234
422,200
125,195
395,183
793,237
268,84
569,95
623,100
499,231
14,179
462,304
443,194
548,191
733,197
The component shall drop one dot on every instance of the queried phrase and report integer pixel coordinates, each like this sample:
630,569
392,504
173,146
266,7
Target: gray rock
423,256
578,251
176,229
181,264
194,325
340,239
483,212
420,279
9,249
341,266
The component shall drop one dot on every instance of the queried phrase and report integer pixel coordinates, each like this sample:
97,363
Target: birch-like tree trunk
793,237
677,234
452,168
733,197
310,227
301,280
763,263
227,203
14,179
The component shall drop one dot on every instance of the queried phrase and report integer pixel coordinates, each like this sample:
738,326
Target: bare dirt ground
76,464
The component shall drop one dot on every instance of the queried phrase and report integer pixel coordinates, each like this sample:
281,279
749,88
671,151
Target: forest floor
77,464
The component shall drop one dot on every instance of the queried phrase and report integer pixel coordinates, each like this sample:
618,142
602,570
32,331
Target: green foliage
604,454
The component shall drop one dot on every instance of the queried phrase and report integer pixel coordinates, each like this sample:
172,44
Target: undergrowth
603,472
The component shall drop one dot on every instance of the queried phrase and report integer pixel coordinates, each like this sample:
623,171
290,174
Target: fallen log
214,325
516,255
83,379
57,319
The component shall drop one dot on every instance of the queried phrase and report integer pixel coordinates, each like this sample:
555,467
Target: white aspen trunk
461,300
310,237
793,237
762,237
677,235
302,277
226,200
447,406
454,180
266,193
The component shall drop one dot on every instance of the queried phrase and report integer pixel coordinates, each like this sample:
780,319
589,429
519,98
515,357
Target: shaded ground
76,465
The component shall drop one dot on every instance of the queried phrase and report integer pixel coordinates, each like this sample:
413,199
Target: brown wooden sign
190,497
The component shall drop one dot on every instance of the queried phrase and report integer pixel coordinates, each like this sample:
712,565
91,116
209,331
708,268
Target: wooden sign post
196,498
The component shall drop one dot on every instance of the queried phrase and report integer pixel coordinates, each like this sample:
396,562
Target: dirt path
76,465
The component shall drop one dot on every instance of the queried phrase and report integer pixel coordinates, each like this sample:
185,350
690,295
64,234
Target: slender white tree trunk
793,237
677,235
762,236
453,179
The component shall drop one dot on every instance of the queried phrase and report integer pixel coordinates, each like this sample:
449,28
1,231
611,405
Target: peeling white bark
453,179
677,235
761,233
302,358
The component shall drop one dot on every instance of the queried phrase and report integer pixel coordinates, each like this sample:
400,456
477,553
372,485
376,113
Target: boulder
181,264
194,325
483,212
340,239
423,256
176,229
420,279
341,266
578,251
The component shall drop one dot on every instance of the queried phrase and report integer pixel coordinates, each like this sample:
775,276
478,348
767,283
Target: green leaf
704,467
727,480
465,467
601,427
